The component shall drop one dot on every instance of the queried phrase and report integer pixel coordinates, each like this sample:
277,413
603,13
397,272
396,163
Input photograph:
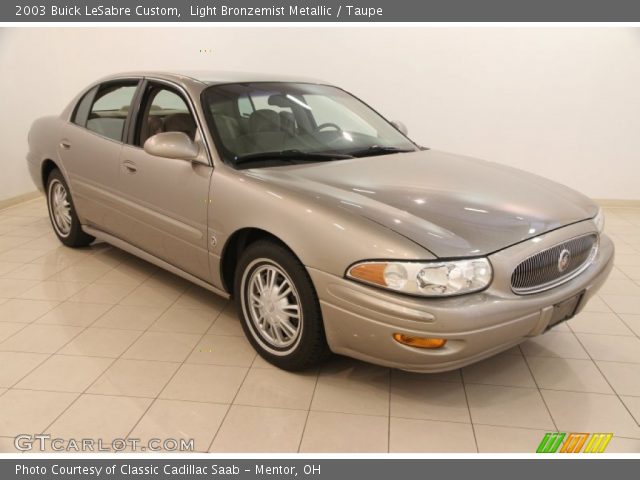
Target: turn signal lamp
419,342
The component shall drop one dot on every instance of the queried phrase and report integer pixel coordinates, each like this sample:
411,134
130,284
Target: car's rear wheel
279,308
62,212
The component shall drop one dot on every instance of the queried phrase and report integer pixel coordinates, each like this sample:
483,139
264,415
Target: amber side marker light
370,272
419,342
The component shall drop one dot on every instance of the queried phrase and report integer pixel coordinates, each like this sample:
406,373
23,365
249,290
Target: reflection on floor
96,343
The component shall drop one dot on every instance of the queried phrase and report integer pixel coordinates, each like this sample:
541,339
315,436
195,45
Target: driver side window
164,110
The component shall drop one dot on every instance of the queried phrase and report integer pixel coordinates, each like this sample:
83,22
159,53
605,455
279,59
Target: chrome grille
543,270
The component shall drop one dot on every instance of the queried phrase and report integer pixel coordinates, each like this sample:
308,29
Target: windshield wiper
291,155
379,150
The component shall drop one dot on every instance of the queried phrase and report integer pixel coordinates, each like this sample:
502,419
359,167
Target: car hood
454,206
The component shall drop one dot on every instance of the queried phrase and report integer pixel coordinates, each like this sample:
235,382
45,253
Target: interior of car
109,109
164,111
272,119
272,122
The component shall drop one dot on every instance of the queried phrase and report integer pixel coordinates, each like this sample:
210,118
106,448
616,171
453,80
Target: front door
167,199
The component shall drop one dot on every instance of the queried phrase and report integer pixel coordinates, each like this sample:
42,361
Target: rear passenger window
81,113
110,109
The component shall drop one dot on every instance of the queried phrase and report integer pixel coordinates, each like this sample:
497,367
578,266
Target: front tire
62,213
279,308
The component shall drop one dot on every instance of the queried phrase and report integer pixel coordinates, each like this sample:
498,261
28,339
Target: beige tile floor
96,343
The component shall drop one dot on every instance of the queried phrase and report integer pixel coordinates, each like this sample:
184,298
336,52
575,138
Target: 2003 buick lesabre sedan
330,228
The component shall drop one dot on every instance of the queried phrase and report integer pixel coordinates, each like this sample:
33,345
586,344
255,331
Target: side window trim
122,82
191,104
143,105
89,95
134,119
142,99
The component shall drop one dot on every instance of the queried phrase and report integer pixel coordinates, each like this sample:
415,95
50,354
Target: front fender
323,236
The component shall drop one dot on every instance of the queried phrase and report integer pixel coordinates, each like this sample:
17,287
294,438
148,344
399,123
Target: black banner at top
319,11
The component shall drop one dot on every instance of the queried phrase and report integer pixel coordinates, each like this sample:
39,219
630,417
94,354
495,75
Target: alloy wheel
273,305
60,207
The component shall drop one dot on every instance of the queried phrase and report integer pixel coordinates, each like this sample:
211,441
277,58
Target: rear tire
62,212
278,307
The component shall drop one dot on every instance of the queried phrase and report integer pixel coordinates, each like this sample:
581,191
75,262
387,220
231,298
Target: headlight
428,279
599,220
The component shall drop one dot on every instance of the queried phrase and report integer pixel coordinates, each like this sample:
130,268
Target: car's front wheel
62,212
279,308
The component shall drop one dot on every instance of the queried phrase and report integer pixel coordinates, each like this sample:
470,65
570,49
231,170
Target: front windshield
266,124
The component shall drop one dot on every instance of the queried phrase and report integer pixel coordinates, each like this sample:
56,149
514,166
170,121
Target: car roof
215,77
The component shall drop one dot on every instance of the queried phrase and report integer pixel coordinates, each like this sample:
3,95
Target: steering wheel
327,125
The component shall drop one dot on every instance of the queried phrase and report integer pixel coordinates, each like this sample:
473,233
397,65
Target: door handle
65,144
130,167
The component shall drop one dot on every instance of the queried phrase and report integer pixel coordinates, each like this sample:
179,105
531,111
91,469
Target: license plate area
564,310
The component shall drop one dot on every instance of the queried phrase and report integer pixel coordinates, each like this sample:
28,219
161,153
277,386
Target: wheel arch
237,242
46,168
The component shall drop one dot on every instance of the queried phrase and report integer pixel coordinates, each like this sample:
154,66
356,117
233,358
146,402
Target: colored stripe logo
561,442
598,442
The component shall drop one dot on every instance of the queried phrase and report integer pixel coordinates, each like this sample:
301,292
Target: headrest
287,122
264,120
180,122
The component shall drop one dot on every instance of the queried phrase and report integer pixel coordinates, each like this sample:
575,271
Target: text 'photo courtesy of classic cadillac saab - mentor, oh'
330,229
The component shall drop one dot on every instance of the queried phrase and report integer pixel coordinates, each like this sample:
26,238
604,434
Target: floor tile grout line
637,422
619,315
11,270
226,413
13,334
544,401
306,420
52,354
633,334
72,262
622,272
415,419
235,396
41,198
466,399
505,385
116,329
578,332
35,320
65,267
181,364
100,375
91,325
79,395
390,373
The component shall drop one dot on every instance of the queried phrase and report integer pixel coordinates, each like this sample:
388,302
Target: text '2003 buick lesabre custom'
330,229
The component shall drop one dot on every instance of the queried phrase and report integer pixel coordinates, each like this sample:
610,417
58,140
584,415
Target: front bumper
360,320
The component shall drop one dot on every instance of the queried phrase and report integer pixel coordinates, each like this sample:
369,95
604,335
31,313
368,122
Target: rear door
167,198
90,150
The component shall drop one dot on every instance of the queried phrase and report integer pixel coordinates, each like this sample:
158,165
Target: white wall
561,102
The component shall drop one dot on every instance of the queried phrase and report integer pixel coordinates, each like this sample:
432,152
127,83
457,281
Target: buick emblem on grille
555,265
563,260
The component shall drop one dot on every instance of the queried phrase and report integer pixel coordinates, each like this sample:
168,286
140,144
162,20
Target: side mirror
176,145
400,126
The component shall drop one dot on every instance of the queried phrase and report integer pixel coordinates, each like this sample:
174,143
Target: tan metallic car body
194,218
